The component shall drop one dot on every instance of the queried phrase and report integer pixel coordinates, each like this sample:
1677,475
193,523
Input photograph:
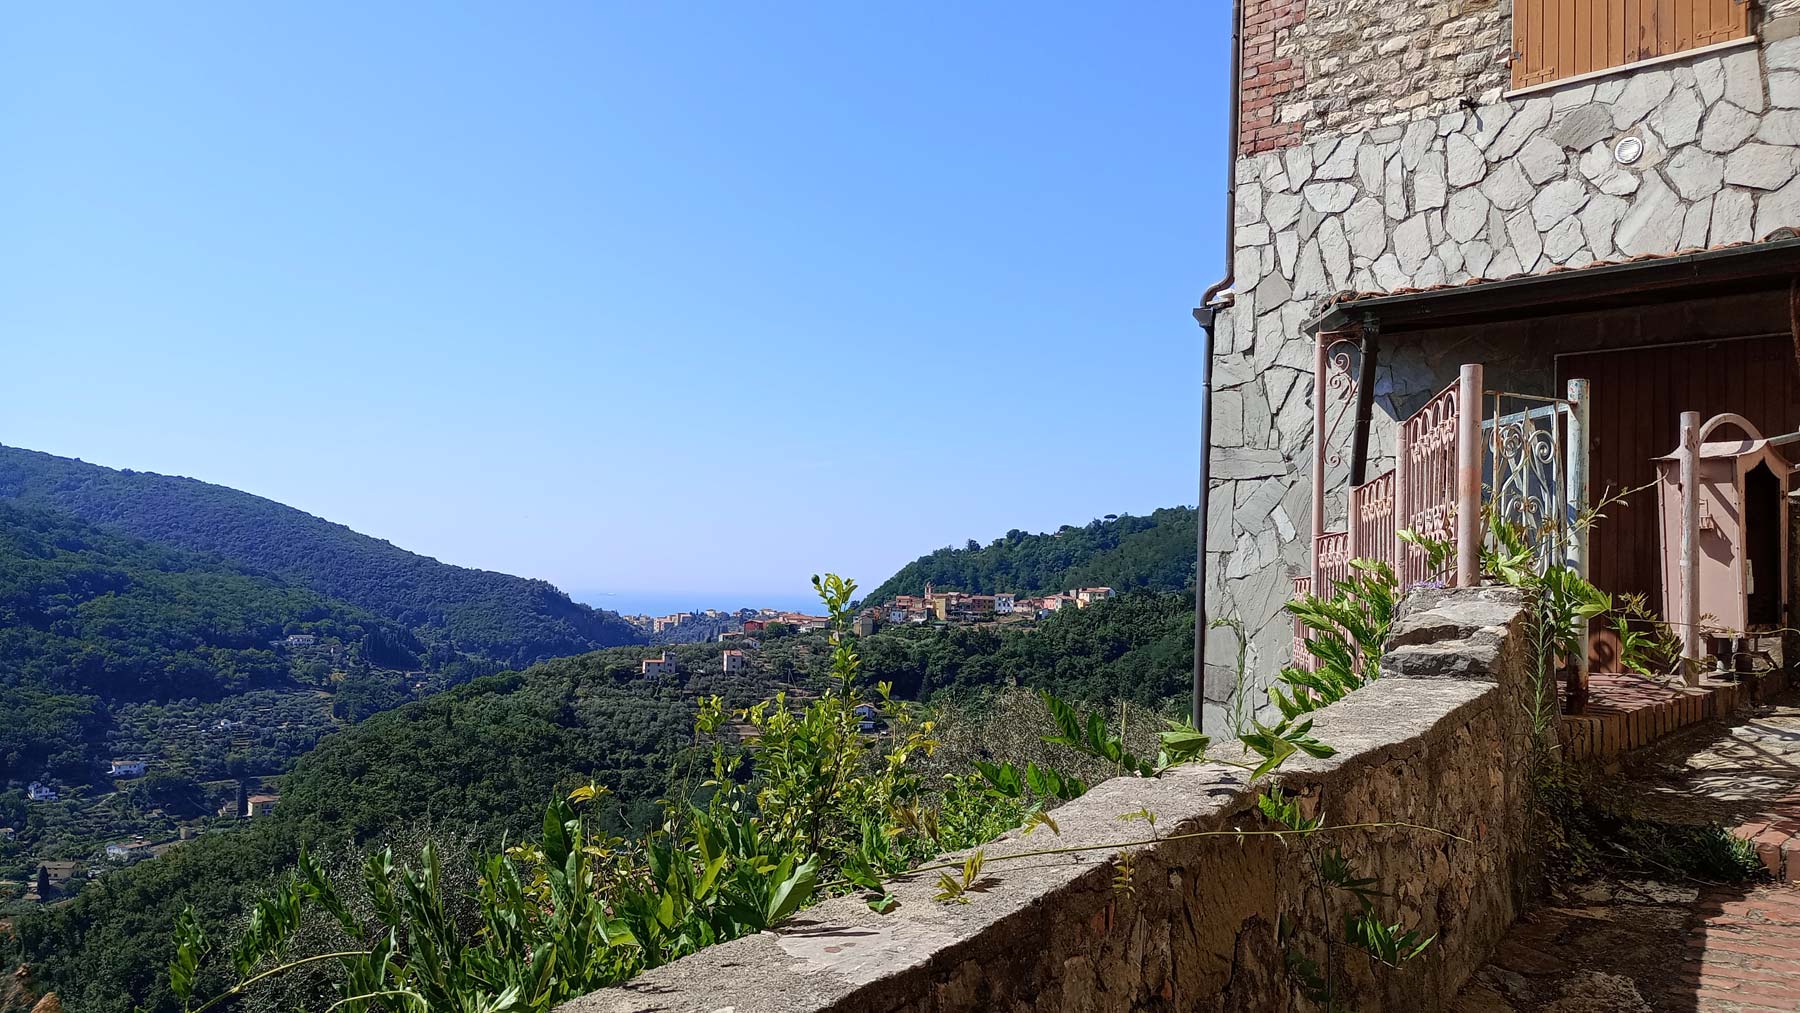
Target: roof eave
1533,294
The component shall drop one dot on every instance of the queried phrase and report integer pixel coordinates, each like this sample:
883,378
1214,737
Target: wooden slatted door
1635,403
1557,39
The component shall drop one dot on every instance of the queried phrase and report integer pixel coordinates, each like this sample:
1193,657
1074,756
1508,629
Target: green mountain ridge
513,621
90,619
1123,552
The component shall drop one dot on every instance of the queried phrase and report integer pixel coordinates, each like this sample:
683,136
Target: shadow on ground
1665,941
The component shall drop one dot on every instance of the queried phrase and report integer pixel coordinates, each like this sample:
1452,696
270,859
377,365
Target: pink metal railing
1333,548
1426,478
1372,520
1434,490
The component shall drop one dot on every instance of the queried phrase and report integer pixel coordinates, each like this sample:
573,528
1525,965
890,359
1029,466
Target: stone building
1533,185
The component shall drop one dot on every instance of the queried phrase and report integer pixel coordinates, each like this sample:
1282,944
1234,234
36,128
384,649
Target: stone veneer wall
1441,740
1442,194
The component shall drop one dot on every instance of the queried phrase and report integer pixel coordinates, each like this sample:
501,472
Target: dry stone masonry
1441,740
1384,156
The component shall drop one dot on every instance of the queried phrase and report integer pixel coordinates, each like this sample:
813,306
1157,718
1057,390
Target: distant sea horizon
662,603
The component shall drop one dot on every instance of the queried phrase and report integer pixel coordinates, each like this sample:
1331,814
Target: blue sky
626,296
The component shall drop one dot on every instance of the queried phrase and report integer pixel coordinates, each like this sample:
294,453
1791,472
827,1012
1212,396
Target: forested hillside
479,761
91,620
470,764
510,620
1126,553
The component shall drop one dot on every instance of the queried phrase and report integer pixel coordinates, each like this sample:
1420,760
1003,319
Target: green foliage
954,889
173,792
1180,742
971,811
580,907
1588,828
1647,645
1154,553
1391,945
1276,743
1345,633
364,693
1440,553
90,621
1137,647
507,619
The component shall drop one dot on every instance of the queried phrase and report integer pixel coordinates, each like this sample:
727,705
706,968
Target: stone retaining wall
1440,741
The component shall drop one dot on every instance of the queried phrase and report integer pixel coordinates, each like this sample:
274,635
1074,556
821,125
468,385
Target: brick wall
1314,68
1271,74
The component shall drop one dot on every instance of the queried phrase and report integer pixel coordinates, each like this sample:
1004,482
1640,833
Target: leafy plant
1440,553
1276,743
1345,634
955,889
1647,644
578,908
1179,743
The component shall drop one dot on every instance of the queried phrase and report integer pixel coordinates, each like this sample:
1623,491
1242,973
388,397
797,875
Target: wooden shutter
1557,39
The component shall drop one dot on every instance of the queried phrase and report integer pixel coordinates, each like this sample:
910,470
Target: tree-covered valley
388,698
473,765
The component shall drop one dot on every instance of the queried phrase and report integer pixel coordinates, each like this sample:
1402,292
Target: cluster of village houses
933,605
658,624
953,606
56,874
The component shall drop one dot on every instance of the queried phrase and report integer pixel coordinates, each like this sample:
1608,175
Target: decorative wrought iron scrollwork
1528,469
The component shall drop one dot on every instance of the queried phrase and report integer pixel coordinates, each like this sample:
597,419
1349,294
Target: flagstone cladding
1391,181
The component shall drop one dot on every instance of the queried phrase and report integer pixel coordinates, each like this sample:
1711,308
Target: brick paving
1673,944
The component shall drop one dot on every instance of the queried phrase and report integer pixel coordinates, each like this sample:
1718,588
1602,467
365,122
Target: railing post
1402,513
1468,476
1576,469
1318,461
1690,547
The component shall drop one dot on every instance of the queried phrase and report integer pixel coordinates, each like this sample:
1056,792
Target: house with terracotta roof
1547,196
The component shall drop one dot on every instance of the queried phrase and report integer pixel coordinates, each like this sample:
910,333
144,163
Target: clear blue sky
626,296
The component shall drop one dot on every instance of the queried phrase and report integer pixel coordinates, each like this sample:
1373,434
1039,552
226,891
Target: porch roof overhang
1711,272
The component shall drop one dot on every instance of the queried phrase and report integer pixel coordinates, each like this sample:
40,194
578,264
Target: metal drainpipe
1205,315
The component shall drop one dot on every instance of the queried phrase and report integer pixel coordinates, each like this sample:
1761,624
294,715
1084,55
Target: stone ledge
1052,933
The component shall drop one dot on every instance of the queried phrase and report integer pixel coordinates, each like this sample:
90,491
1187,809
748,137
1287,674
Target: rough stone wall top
1438,743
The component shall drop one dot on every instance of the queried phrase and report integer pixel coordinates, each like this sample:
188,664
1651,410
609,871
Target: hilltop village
957,607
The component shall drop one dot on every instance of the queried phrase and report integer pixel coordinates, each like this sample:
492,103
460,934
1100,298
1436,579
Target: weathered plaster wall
1525,185
1441,740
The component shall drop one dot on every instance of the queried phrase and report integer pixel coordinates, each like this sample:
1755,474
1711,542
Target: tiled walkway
1670,943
